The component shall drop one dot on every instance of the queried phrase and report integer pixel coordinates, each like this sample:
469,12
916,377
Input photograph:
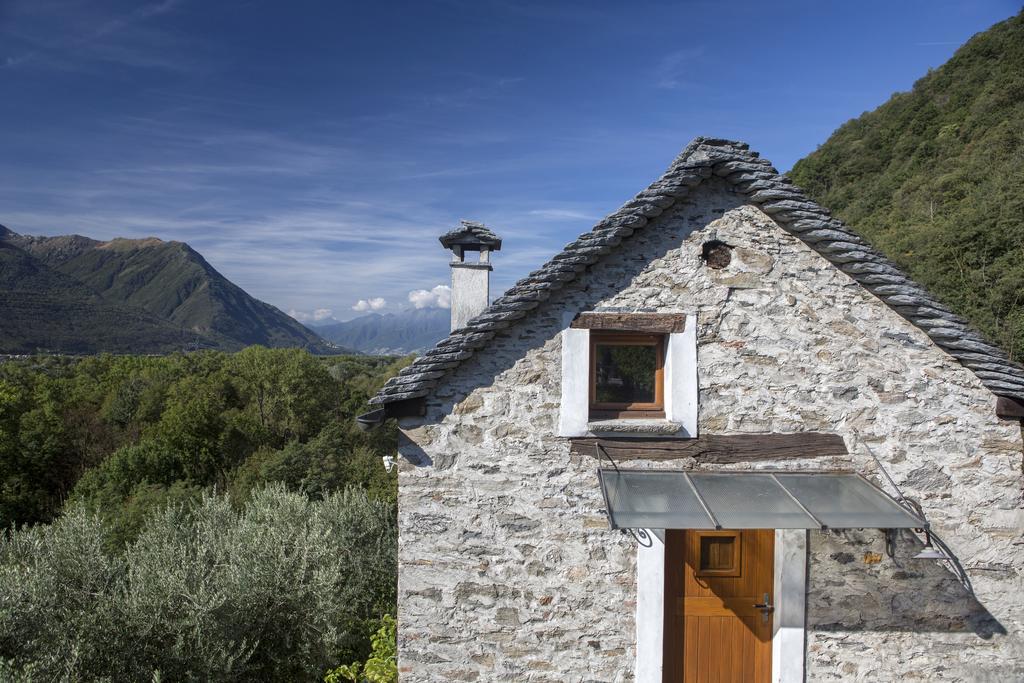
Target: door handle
766,607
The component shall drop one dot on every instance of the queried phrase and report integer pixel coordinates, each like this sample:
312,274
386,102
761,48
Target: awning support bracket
641,536
890,545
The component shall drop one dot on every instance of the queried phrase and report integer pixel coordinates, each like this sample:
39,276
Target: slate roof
470,231
774,194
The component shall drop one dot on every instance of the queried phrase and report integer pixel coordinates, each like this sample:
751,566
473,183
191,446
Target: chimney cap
471,235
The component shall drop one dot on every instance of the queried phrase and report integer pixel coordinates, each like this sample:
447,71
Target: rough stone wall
508,571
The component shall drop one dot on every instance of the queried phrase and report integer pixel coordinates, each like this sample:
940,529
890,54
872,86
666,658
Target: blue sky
314,151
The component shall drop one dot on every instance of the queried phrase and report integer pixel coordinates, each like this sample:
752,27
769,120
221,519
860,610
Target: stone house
719,437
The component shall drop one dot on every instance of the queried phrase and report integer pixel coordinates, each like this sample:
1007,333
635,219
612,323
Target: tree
280,588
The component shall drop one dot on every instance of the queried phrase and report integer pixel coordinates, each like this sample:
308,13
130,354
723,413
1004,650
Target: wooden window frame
737,553
628,410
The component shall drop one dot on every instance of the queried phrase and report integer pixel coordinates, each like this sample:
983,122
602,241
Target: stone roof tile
471,231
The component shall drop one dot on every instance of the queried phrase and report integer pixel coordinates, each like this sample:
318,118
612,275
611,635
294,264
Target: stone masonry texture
508,571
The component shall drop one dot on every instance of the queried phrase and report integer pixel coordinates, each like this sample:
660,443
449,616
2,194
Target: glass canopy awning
666,499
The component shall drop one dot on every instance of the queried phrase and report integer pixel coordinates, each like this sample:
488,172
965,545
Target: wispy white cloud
438,297
469,90
674,69
372,304
309,216
559,214
288,219
74,36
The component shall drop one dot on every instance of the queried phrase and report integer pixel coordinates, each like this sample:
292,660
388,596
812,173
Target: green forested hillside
935,179
168,285
124,434
42,308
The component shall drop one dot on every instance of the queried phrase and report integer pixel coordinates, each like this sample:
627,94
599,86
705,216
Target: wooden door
715,629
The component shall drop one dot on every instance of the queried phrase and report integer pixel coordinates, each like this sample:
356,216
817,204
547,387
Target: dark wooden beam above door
716,448
653,323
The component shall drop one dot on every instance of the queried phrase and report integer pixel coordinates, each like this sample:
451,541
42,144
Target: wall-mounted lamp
929,551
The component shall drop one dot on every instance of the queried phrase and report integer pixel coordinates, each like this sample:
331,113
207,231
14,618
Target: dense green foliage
124,435
281,589
163,538
382,664
935,179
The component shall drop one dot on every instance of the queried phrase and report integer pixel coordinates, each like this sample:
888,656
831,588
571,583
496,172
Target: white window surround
788,627
680,380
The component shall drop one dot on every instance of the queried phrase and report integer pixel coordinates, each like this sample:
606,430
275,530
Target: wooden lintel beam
1009,407
717,448
654,323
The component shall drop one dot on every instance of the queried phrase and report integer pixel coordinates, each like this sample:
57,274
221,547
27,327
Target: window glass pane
652,500
624,373
845,501
750,501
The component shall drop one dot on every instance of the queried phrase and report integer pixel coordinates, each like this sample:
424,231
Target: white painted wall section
788,625
470,291
650,610
681,377
575,404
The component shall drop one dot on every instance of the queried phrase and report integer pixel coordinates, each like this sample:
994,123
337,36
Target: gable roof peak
774,194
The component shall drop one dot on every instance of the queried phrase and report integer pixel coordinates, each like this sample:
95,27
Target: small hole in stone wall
716,254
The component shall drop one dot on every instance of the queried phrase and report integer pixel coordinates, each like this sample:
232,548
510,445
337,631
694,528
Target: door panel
713,631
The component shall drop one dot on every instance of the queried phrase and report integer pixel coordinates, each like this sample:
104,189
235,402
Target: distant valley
391,333
72,294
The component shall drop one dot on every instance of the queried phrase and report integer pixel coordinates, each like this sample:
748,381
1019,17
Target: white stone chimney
470,278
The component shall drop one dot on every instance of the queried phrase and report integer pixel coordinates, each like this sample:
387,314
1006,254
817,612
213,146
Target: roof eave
774,194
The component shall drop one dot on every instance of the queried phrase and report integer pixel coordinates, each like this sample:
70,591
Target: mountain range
72,294
391,333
